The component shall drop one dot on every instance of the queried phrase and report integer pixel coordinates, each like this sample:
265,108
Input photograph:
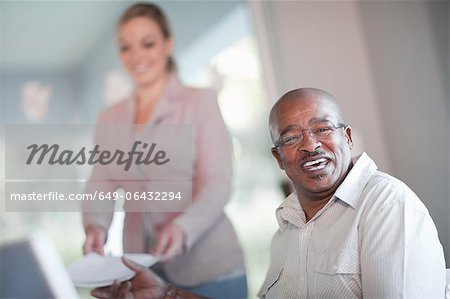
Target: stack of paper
94,270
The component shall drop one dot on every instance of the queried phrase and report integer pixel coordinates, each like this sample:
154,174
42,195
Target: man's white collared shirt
373,239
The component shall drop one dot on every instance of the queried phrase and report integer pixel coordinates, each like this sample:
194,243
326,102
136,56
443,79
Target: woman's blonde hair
153,12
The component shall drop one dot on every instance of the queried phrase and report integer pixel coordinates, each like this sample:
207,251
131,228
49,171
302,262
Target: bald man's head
312,144
295,99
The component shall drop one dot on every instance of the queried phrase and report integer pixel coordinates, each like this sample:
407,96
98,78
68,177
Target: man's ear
277,156
348,136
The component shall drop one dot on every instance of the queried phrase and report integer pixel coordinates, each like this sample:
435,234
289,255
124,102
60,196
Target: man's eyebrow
316,120
287,129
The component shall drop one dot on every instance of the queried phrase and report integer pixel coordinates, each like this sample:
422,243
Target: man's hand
95,238
170,242
144,285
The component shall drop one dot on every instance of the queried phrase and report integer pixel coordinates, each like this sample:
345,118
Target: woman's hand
145,284
95,238
170,242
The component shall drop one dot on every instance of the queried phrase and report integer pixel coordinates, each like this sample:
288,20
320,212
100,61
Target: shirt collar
350,189
290,211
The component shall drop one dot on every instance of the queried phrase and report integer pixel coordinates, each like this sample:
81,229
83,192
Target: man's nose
309,142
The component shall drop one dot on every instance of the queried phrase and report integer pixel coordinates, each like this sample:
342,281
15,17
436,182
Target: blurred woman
199,246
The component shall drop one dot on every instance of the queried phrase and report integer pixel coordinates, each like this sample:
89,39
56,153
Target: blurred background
387,63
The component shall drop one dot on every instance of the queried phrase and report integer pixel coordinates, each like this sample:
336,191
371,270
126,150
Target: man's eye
322,130
290,139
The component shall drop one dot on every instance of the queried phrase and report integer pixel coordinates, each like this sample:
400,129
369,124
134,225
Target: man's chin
317,178
318,184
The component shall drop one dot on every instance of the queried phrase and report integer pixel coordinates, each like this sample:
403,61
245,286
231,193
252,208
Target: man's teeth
317,167
310,163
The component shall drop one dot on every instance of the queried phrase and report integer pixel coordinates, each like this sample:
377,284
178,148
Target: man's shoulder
385,183
386,180
386,191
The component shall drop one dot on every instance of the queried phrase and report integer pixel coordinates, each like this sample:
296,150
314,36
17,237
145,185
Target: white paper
94,270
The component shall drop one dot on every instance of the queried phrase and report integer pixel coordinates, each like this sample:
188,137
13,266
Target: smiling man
348,230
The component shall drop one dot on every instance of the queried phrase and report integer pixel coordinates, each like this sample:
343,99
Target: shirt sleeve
211,174
401,256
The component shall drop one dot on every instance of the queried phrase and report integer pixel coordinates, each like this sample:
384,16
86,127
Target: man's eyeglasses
320,132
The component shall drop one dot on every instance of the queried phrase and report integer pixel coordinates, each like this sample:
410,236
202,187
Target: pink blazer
212,248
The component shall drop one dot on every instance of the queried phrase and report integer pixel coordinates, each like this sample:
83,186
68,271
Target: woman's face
144,51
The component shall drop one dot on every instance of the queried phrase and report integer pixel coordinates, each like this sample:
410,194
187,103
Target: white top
373,239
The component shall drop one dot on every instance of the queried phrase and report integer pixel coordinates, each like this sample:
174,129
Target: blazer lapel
167,104
164,111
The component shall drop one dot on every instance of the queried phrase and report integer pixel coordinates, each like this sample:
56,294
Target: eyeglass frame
278,144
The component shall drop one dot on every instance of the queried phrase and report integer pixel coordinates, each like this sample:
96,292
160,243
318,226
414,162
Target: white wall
387,65
320,44
408,49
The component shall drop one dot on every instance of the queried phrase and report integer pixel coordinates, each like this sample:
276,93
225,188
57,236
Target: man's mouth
314,165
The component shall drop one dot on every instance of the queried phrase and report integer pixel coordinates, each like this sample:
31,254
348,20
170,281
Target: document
94,270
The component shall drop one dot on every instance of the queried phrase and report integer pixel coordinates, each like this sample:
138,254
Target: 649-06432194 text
99,195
